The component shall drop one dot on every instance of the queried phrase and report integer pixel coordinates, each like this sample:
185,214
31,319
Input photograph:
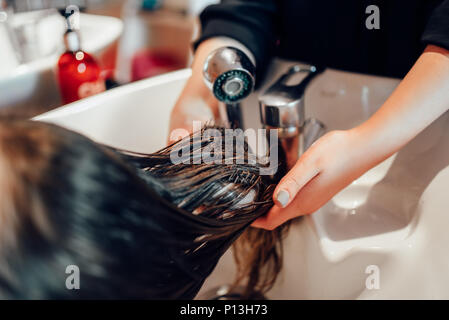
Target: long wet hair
258,253
68,201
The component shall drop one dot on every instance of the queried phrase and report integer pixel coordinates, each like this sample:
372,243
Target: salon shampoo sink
383,237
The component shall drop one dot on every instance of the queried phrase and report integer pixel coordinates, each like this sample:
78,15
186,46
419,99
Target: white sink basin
394,218
34,84
133,117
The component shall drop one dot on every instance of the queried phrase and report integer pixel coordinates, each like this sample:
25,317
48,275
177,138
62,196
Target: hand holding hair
340,157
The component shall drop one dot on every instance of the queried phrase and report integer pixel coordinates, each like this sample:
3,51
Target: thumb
301,173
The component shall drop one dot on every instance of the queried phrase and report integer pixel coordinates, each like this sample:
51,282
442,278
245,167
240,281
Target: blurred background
57,51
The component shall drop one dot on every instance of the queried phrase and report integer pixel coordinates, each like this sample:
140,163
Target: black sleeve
437,29
251,22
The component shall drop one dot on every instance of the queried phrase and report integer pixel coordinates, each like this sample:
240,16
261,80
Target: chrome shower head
230,74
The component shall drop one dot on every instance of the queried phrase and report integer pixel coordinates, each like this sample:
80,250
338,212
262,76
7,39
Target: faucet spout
282,108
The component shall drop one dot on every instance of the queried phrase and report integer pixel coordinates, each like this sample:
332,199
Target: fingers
177,134
274,218
188,116
303,171
277,216
185,130
301,205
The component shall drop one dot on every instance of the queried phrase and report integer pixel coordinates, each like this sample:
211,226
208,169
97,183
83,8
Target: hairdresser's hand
195,103
330,164
339,157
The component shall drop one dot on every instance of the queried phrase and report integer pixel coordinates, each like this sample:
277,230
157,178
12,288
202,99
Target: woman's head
65,201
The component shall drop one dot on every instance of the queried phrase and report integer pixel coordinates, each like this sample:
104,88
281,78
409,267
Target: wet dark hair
146,230
197,188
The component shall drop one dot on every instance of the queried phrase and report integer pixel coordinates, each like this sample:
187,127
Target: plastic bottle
79,75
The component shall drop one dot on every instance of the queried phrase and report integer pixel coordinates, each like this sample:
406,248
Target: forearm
421,97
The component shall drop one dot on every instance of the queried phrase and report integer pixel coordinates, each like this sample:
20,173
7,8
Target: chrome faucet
230,75
282,108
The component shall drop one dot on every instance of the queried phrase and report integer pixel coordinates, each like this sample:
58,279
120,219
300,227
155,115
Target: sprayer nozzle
233,86
230,74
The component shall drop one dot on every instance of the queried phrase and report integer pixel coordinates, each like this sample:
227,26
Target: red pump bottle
79,75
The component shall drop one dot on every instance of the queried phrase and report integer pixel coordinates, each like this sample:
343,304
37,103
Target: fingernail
282,197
